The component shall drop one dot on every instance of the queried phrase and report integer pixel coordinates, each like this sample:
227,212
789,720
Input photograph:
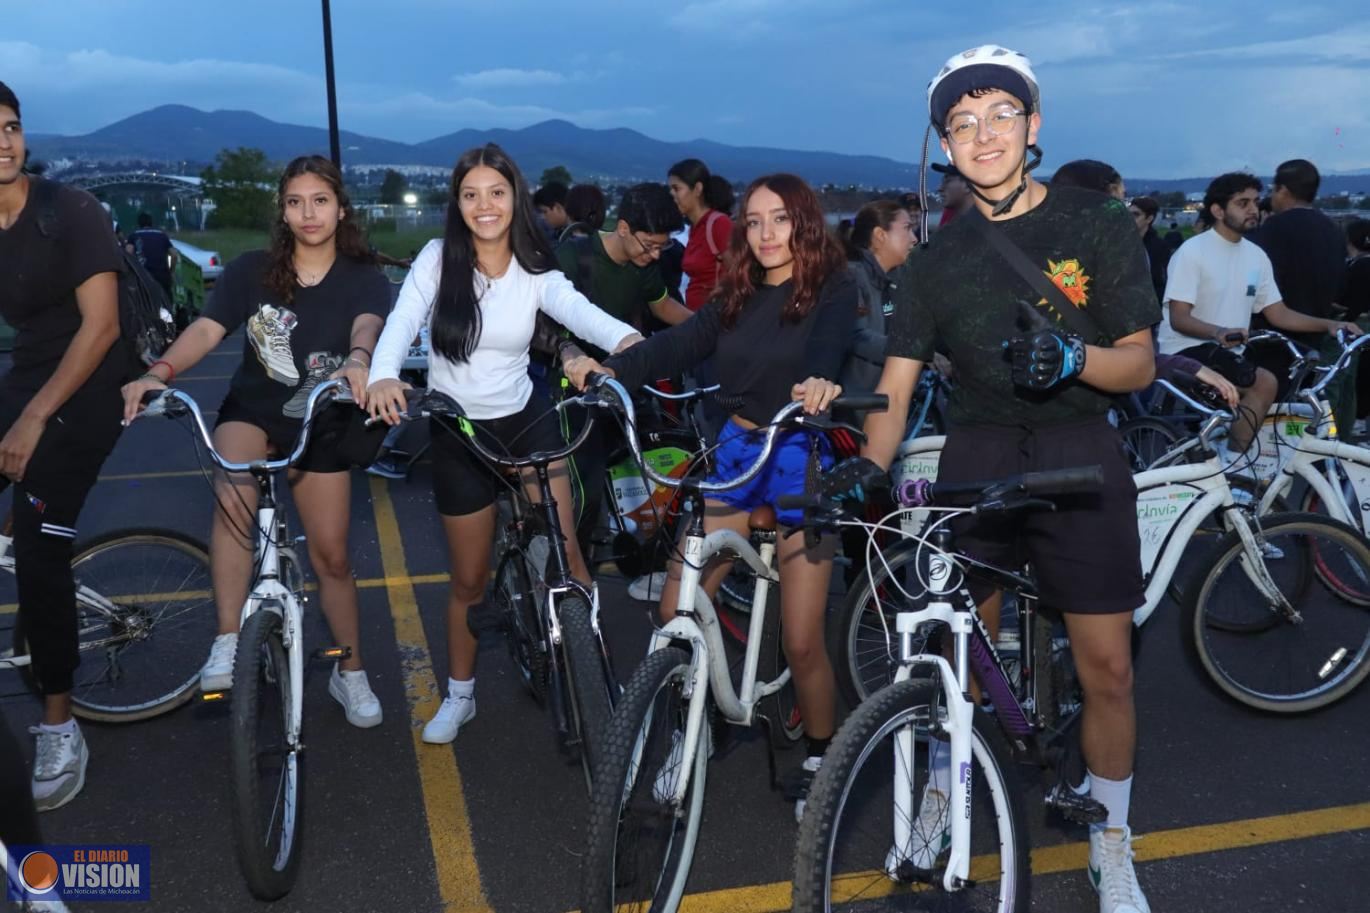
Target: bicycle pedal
210,697
1076,808
333,653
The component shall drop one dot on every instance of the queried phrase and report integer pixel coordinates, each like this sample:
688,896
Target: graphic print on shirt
269,332
319,365
1070,278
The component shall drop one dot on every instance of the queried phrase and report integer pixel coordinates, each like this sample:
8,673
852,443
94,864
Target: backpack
146,327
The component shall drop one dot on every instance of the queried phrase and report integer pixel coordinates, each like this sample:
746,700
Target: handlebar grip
799,502
862,402
150,395
1077,480
1234,337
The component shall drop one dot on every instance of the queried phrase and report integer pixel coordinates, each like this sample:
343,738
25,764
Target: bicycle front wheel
1294,657
641,840
865,644
145,613
589,680
860,848
268,771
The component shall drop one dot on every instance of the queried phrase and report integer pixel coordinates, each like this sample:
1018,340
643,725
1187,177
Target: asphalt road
1235,811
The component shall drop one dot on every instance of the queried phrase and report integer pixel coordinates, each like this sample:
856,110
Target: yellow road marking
1068,857
449,827
365,583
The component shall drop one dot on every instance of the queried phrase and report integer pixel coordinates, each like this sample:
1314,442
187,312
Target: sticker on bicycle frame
1158,509
79,872
466,427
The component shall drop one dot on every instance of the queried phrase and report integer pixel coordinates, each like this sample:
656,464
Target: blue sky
1159,89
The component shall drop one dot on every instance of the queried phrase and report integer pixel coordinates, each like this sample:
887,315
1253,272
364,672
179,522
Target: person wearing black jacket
1144,211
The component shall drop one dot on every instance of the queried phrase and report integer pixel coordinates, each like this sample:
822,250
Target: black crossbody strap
1075,319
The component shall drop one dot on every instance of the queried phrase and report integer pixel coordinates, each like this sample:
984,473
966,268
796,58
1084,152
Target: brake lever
826,423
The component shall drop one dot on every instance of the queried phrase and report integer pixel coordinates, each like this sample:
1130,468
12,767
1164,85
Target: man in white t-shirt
1217,280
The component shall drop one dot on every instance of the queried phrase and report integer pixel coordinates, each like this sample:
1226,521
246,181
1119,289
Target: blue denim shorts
783,474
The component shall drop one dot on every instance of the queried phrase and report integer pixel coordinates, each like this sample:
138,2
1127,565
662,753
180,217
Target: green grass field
230,242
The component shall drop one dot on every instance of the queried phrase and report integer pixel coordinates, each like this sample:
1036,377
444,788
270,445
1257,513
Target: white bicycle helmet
986,67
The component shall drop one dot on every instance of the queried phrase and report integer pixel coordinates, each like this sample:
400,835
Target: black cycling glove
1046,358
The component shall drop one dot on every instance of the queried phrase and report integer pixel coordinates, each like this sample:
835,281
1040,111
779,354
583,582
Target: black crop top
761,356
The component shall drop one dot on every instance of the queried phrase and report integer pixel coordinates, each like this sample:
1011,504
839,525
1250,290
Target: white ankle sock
66,728
939,766
1116,796
457,688
352,673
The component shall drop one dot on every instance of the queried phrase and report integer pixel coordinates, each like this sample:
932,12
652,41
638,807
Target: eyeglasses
965,127
650,249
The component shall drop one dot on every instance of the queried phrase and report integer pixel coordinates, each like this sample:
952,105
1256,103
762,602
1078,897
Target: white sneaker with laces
648,587
1111,872
59,767
217,675
455,711
931,834
807,770
353,691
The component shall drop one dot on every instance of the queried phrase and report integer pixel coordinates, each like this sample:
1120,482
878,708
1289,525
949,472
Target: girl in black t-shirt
313,305
777,329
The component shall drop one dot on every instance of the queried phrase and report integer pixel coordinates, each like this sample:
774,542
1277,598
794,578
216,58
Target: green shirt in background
625,291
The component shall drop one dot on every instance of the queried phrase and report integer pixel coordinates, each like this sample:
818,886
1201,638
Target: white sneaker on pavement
59,767
799,783
931,834
648,587
1111,872
455,711
353,691
217,674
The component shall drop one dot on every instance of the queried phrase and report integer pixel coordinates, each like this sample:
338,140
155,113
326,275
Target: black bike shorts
463,482
339,441
1235,367
1086,554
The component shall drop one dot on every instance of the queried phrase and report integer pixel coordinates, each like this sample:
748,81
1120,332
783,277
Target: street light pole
334,147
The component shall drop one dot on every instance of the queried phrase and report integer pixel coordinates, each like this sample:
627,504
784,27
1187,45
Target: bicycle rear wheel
268,771
1146,439
145,613
846,855
640,842
1285,660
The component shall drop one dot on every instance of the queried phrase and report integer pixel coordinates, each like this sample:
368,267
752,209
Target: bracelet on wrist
359,349
170,371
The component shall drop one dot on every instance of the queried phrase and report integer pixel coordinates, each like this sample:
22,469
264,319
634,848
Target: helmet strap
1032,157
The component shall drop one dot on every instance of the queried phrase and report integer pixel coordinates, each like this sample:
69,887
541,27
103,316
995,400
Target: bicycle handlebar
165,402
1051,483
696,393
1348,349
790,413
421,403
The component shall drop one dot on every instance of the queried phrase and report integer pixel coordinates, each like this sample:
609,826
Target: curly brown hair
349,239
817,255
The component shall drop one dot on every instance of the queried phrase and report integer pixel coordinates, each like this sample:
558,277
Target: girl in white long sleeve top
479,290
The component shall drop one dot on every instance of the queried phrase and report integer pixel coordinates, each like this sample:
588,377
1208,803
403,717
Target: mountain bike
266,703
551,621
648,798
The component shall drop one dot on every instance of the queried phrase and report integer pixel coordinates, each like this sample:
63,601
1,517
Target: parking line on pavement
449,826
1068,857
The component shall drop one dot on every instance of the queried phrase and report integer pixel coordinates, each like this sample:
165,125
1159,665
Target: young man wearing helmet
1032,394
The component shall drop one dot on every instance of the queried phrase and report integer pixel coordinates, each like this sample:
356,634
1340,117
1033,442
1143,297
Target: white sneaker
648,587
1111,872
217,675
799,784
353,691
931,833
456,710
59,769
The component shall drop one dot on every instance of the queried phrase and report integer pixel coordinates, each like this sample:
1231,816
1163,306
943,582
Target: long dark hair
456,311
718,193
875,214
349,240
817,255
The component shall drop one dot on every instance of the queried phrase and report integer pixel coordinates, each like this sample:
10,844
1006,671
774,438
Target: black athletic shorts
340,439
1086,554
1236,367
463,482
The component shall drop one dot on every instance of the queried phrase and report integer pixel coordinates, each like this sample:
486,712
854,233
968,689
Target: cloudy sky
1159,89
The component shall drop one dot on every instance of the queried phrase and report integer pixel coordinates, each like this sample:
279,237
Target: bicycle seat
762,519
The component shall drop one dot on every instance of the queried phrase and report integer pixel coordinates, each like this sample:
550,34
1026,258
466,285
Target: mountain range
181,136
177,133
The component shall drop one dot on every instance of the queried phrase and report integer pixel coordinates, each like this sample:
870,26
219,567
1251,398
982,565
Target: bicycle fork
960,710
